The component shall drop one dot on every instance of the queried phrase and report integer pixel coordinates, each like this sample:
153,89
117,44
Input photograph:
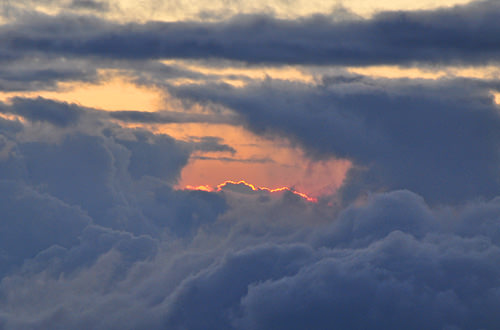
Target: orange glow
221,186
264,162
398,72
112,93
202,188
12,117
496,97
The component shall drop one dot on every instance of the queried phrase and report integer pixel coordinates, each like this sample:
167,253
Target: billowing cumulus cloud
357,271
126,250
95,232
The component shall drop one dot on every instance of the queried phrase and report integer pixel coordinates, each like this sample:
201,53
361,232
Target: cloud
44,110
437,138
89,226
420,272
155,155
167,117
93,233
363,289
239,160
90,5
23,72
466,34
212,143
33,222
420,266
114,174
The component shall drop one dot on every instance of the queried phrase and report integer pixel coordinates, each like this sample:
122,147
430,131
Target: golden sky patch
287,9
396,72
116,93
496,96
178,10
285,166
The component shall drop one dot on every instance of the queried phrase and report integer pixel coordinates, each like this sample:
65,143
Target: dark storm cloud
461,34
437,138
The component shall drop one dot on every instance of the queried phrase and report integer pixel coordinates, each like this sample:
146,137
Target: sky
249,165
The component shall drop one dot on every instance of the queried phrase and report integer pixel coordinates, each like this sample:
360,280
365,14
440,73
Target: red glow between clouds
219,187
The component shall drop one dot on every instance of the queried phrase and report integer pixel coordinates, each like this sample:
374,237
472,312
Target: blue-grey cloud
149,156
44,110
460,34
23,72
416,267
212,143
93,233
168,117
435,267
437,138
100,6
90,163
34,221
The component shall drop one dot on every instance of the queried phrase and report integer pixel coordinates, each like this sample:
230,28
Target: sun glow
221,186
112,93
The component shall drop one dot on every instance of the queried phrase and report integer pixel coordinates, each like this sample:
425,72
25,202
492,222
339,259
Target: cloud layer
437,138
125,250
93,234
465,34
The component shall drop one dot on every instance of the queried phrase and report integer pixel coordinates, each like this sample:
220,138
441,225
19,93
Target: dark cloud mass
94,233
462,34
417,270
125,250
439,139
43,110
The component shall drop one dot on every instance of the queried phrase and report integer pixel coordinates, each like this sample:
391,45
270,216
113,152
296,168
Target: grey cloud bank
465,34
125,250
94,236
437,138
